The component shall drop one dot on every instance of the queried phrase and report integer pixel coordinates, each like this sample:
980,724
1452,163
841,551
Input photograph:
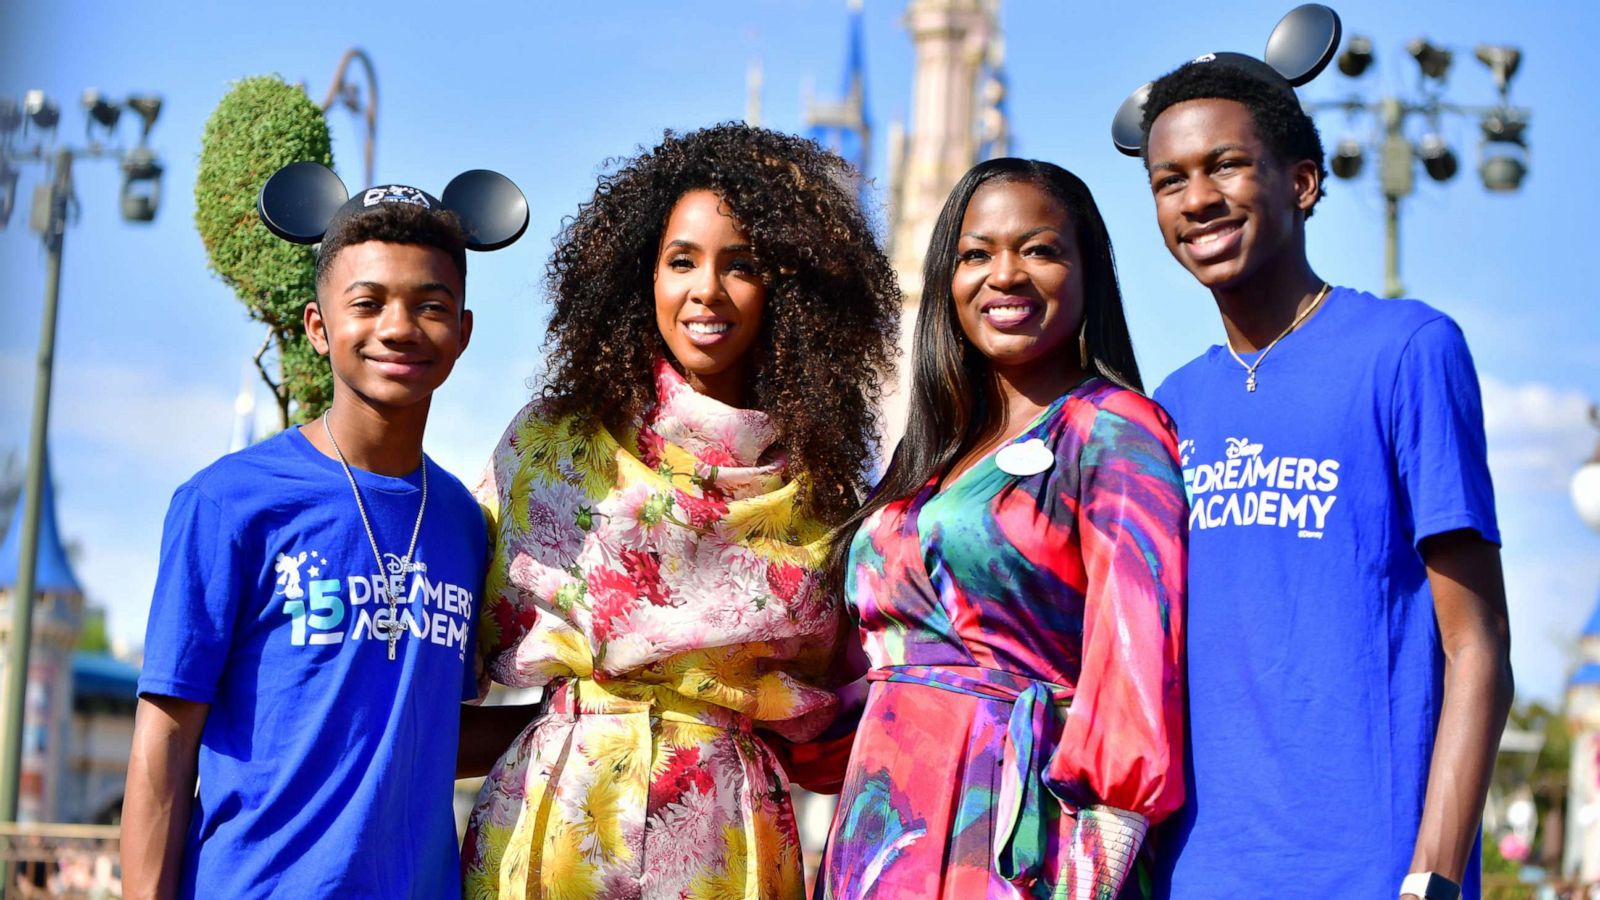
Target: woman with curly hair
1018,576
723,324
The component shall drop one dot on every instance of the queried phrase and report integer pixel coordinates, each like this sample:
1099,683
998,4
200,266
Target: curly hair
1282,124
396,223
827,339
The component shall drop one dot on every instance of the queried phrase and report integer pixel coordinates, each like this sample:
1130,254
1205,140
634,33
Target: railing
76,862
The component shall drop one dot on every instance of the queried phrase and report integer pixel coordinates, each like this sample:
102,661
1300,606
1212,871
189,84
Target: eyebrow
1210,156
1030,233
423,288
691,245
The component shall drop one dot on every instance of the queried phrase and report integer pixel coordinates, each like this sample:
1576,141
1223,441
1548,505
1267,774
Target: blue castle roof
1588,673
53,572
1593,628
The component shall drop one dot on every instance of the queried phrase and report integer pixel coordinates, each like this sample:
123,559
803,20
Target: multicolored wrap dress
659,586
1023,723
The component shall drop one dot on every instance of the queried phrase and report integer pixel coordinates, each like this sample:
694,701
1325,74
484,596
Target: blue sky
151,347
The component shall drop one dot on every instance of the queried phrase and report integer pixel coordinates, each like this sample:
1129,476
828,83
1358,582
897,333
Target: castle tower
1581,858
957,118
57,620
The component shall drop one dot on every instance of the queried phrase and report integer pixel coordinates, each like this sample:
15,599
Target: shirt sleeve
196,601
1122,743
1439,443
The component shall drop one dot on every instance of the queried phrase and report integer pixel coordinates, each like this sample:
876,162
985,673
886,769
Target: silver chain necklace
1250,368
395,584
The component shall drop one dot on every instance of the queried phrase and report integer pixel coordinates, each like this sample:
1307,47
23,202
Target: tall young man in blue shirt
1348,648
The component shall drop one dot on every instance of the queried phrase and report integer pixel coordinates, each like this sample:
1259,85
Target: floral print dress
659,586
1024,720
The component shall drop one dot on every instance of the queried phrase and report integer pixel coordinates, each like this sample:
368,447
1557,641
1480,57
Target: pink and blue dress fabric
1024,718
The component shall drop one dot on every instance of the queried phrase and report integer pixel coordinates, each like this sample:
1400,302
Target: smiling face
390,317
1018,282
709,295
1227,209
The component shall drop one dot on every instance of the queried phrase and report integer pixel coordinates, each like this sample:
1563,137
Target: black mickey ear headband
1301,46
303,201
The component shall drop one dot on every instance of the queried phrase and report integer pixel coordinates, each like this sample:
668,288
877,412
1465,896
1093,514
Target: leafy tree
261,125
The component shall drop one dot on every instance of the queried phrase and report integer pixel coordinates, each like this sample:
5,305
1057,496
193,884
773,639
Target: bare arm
160,795
486,732
1469,603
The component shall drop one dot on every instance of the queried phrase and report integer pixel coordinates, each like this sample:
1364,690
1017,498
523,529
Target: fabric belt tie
577,697
1020,834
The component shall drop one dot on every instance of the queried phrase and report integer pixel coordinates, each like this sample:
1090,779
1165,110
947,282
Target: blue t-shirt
326,769
1314,665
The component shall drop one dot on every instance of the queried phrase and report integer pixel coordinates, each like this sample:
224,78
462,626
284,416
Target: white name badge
1028,457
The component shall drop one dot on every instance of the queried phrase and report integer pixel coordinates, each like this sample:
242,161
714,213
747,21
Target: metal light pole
348,94
52,203
1502,150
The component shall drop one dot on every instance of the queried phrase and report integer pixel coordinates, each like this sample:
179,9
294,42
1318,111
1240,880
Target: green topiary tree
261,125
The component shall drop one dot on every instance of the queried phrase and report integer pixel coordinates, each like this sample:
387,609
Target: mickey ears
1301,46
301,201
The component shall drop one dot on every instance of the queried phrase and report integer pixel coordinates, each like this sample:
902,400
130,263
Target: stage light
1434,61
1502,172
1502,62
1504,126
100,110
1438,160
148,106
8,192
1357,55
1347,158
10,118
40,110
141,185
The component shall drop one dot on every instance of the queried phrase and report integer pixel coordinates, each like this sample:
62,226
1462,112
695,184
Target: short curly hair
828,331
1282,124
396,223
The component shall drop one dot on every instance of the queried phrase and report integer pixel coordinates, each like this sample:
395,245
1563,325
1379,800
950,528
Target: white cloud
1538,434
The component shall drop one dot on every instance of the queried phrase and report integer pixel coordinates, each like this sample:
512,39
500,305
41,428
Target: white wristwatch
1430,886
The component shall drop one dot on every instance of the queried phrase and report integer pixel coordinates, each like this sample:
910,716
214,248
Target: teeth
708,327
1008,310
1214,236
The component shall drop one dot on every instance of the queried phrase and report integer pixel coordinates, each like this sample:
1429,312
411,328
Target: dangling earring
1083,345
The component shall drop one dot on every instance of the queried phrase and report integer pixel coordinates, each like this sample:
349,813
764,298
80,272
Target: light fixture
1438,160
1357,55
10,118
8,192
101,111
1434,61
1504,126
141,185
1502,62
148,106
40,110
1502,172
1347,158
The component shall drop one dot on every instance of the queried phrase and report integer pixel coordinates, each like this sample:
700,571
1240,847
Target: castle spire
54,571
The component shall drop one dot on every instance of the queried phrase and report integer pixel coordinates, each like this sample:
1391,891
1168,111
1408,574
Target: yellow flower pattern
659,586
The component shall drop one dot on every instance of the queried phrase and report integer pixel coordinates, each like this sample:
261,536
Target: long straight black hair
952,403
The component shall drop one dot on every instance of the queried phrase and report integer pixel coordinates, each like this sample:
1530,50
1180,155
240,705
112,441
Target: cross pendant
393,629
1250,383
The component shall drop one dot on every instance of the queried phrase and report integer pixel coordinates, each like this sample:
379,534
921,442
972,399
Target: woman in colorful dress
723,320
1019,575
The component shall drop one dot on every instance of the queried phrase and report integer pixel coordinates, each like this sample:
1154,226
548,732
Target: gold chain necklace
394,584
1250,368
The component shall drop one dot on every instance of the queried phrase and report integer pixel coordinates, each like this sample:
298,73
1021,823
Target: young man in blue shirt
1347,646
311,635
